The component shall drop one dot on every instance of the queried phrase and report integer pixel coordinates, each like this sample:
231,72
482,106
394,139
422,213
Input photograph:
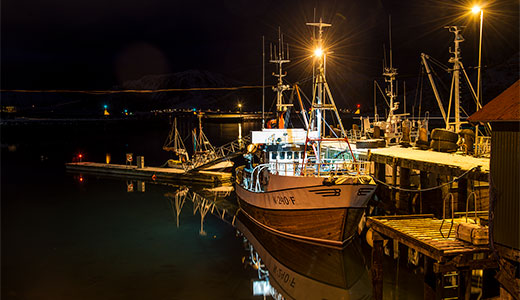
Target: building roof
504,108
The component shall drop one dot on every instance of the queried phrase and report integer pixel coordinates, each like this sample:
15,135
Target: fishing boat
305,183
397,128
205,156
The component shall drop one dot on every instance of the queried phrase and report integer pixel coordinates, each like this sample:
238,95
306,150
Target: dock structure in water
150,173
416,181
447,262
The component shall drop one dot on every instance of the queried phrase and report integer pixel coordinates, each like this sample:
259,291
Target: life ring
154,177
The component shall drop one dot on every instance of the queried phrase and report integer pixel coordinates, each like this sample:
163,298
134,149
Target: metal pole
404,93
479,58
263,82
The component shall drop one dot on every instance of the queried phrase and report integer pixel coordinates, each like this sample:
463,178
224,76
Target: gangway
223,153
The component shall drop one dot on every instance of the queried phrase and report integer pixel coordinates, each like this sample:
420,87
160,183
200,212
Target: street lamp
476,9
240,107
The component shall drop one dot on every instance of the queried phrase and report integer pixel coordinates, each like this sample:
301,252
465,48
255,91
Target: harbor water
78,236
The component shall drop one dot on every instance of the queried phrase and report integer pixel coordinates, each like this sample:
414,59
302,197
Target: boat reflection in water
287,268
207,200
292,269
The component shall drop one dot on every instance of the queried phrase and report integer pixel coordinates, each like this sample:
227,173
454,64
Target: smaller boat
205,157
175,144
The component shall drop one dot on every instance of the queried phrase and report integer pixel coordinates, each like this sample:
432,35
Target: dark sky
96,44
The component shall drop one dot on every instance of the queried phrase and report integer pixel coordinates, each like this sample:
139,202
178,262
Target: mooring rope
426,189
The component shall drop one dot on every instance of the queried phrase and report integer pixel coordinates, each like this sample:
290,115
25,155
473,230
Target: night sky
97,44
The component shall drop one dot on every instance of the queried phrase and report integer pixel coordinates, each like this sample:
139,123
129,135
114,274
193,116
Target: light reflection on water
74,236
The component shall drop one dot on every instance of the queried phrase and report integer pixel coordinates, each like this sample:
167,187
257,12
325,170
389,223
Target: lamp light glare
475,9
318,52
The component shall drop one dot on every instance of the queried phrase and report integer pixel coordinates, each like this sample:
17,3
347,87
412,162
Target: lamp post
240,107
476,9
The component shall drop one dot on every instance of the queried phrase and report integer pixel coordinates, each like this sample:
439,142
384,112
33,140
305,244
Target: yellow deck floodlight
475,9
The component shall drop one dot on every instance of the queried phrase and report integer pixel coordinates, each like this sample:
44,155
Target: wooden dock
441,254
150,173
446,164
414,181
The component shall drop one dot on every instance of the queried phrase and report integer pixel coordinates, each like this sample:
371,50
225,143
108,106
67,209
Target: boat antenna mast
279,57
321,91
455,81
389,72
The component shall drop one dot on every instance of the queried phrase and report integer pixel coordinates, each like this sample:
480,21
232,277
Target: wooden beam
464,284
462,194
404,202
377,269
479,264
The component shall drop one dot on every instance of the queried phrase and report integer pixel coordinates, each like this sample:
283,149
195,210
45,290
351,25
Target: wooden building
503,113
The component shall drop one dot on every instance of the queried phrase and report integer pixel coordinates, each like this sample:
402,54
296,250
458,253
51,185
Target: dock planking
150,173
443,255
424,235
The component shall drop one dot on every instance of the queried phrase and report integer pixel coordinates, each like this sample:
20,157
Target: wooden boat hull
323,214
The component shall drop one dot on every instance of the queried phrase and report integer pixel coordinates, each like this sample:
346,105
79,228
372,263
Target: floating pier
150,173
446,261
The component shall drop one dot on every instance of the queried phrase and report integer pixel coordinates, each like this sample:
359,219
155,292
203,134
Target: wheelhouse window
296,155
282,155
273,155
289,155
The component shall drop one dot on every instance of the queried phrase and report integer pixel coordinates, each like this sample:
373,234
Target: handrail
257,183
450,195
467,205
336,166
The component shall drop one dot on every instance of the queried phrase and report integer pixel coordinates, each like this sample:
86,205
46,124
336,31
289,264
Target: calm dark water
66,236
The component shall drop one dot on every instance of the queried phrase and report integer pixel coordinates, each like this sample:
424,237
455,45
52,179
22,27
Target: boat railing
324,168
482,146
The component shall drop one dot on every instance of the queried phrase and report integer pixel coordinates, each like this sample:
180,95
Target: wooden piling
424,184
404,202
377,267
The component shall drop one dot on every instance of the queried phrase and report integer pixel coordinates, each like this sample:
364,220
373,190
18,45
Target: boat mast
390,73
455,81
321,90
263,82
281,57
455,86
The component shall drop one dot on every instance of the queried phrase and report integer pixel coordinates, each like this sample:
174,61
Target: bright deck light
475,9
318,52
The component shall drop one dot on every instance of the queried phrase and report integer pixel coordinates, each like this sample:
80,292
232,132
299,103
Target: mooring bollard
140,162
